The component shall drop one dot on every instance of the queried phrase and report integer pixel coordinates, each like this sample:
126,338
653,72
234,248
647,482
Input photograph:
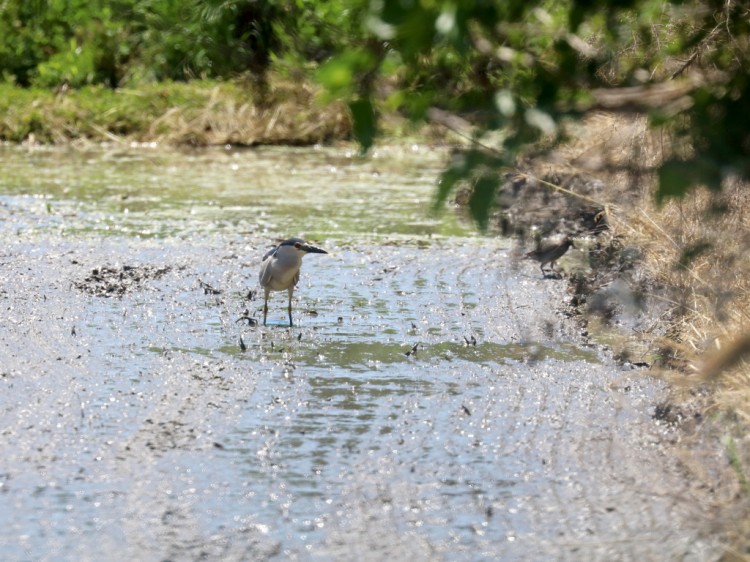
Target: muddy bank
137,420
607,282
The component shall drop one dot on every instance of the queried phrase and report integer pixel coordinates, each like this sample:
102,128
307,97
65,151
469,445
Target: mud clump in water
108,281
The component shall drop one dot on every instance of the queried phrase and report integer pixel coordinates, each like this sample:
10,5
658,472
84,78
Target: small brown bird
549,254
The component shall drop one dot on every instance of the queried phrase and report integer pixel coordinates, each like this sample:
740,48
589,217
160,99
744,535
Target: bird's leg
555,273
265,308
291,290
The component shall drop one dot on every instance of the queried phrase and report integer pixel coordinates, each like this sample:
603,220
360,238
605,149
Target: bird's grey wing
265,268
296,279
270,252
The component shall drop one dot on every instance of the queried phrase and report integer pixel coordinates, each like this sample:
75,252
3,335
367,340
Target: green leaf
482,199
414,23
339,75
675,180
461,168
575,17
364,122
450,177
692,252
678,177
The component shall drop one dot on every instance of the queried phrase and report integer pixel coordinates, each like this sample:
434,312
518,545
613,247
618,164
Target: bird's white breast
281,268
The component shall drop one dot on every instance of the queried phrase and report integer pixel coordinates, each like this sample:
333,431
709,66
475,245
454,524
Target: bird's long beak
310,249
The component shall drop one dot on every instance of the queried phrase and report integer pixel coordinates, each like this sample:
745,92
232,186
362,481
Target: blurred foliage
49,43
514,70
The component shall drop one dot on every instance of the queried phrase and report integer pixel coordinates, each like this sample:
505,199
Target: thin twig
451,122
562,189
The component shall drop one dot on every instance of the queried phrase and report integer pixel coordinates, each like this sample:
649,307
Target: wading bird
549,254
280,269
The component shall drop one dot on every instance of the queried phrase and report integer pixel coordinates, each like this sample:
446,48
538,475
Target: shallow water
431,403
151,192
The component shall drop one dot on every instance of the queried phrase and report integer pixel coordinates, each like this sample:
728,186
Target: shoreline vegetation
194,113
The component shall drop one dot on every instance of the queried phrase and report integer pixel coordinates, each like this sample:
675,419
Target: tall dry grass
694,250
694,260
197,113
292,117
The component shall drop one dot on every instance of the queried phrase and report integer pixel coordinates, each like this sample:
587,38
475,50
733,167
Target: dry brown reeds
196,113
694,255
292,118
694,249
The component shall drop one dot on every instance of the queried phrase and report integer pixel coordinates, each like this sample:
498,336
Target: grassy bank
197,113
681,269
693,250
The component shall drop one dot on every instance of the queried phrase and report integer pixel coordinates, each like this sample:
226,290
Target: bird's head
300,247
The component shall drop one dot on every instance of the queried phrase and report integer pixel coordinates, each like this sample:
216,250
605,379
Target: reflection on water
369,356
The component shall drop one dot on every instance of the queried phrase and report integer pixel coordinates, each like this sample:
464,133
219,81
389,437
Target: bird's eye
297,245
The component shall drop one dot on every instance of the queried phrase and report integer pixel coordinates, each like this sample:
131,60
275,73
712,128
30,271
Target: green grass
200,112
